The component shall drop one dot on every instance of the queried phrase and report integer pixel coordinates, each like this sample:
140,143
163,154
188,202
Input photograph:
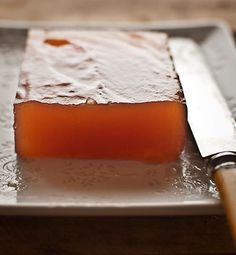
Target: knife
210,120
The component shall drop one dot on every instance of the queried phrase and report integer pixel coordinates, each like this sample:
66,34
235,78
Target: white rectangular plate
83,187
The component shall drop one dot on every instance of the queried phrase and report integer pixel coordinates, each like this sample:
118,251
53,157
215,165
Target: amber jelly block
99,95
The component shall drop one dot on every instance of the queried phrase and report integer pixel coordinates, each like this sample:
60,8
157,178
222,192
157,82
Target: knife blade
210,120
209,116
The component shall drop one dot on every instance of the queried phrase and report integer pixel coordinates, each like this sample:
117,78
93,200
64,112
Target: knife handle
225,180
224,176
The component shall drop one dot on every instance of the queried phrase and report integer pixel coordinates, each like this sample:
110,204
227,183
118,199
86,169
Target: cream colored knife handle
225,180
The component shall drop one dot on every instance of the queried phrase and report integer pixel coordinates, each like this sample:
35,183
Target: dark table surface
115,235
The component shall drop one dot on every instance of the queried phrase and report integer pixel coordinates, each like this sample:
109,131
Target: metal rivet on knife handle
227,160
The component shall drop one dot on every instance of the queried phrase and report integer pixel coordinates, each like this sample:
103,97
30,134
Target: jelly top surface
89,67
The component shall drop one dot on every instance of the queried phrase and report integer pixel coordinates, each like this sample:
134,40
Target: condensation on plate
87,181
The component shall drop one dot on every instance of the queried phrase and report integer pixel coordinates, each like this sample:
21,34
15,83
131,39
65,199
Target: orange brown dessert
99,95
